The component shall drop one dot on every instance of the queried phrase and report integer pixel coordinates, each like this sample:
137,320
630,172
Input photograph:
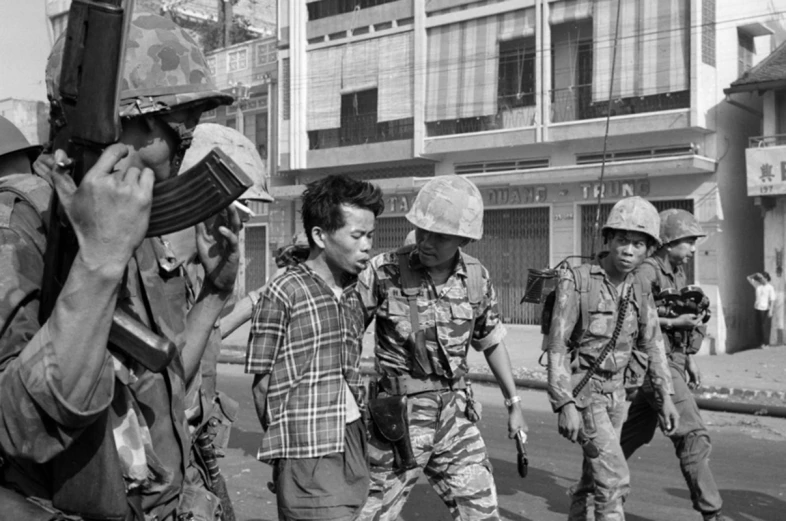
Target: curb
712,398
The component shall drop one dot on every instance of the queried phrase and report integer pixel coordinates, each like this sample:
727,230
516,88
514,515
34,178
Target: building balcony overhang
371,153
653,167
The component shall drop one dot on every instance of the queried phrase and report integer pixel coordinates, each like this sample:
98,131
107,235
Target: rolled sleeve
489,330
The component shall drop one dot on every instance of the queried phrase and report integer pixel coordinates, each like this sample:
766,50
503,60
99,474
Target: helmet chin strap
184,136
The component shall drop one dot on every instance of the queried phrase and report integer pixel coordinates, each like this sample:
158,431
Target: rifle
85,122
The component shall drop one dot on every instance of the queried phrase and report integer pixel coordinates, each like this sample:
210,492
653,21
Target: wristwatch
510,401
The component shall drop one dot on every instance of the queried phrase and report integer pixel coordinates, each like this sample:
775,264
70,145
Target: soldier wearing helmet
72,412
682,334
432,302
16,152
601,304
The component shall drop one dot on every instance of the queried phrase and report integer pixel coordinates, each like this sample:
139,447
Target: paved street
748,460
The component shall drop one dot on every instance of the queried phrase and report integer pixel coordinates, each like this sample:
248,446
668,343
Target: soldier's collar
459,268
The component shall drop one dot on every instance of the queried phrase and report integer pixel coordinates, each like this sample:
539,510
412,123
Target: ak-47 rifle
85,122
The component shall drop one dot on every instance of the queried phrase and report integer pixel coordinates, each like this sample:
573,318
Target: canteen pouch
391,421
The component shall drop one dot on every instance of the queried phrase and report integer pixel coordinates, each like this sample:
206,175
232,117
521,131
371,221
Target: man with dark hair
304,350
588,371
683,331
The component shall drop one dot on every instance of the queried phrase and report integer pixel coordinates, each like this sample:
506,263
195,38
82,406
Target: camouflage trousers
605,480
691,441
449,451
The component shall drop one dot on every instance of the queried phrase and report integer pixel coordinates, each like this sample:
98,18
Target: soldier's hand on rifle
217,244
569,421
686,321
110,209
693,373
43,166
668,417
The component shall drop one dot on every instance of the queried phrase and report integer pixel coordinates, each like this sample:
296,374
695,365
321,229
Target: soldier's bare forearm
199,325
79,329
498,360
240,314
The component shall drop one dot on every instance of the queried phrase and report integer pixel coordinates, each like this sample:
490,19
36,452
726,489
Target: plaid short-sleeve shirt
309,342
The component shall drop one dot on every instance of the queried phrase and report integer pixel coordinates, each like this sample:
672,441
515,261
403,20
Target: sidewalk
754,374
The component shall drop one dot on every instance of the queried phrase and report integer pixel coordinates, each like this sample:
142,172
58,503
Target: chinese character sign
766,170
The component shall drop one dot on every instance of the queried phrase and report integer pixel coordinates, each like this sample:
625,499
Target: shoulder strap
581,276
474,279
410,286
29,188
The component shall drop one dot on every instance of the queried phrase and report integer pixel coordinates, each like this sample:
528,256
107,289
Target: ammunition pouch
15,507
635,371
198,504
391,423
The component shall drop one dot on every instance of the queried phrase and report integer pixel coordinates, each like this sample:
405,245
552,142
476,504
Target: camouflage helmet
449,204
164,68
634,214
12,140
410,239
238,147
678,224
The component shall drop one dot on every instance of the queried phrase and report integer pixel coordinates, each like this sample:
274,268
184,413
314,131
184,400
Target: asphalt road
748,461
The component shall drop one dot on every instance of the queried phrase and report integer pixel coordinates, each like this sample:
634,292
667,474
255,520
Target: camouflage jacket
39,426
639,332
659,274
446,318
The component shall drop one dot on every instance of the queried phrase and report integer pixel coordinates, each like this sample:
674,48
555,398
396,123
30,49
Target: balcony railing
575,103
767,141
508,116
361,130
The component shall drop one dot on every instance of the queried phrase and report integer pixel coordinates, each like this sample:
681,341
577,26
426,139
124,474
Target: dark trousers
691,441
331,487
763,326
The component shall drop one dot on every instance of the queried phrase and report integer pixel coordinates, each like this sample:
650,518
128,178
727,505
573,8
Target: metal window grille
256,258
708,32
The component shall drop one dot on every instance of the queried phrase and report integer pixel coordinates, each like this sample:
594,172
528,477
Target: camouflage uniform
602,405
448,446
691,440
129,428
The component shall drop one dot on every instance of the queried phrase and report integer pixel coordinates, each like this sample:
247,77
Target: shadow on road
247,441
743,504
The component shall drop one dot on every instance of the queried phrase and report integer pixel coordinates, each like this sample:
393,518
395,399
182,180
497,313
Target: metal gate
514,240
389,234
588,226
256,257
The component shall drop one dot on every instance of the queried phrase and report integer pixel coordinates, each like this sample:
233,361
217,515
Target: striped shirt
309,342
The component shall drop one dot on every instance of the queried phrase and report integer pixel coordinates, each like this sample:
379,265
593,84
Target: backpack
29,188
581,276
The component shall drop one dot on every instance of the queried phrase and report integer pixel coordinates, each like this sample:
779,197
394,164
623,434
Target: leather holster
391,423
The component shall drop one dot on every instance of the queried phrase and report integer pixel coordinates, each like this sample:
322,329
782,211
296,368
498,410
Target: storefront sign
492,198
615,189
766,170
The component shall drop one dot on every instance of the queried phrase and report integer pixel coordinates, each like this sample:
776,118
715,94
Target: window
231,123
359,117
516,87
708,32
266,53
746,49
237,60
325,8
260,125
211,63
285,102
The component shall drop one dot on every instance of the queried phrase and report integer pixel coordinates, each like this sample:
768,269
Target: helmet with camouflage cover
164,69
449,204
238,147
12,140
634,214
678,224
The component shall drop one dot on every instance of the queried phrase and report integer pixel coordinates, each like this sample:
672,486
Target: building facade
514,95
762,91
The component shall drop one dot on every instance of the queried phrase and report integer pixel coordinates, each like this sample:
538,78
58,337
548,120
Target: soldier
87,431
597,299
16,152
682,335
431,302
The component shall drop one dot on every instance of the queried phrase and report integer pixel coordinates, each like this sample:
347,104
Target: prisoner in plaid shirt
304,349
